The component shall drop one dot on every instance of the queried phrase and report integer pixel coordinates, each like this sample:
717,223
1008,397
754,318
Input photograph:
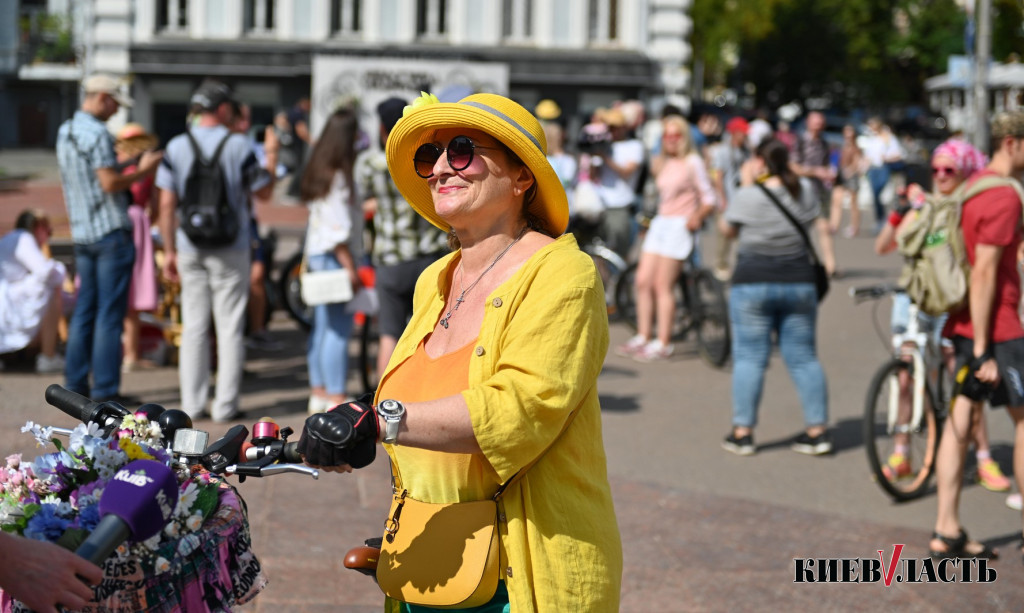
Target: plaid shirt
401,233
84,145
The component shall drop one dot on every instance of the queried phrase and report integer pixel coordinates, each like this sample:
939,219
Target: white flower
64,509
152,542
194,522
154,433
161,565
41,434
106,461
80,436
172,529
187,498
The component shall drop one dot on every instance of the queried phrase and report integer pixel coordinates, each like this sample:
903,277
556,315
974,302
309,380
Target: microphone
136,504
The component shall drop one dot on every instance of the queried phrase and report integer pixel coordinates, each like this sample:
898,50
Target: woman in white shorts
685,199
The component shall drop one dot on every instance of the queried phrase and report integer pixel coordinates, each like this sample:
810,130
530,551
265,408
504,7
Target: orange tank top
433,476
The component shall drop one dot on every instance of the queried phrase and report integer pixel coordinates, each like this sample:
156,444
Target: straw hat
133,139
506,121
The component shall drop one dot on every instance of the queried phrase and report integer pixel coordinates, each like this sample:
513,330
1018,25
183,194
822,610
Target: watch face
391,408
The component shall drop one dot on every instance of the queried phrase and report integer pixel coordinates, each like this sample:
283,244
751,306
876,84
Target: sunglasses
943,170
460,151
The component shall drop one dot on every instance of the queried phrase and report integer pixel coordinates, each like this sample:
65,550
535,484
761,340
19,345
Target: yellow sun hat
508,122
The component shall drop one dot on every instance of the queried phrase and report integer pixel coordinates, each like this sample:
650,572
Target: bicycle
908,395
610,265
701,308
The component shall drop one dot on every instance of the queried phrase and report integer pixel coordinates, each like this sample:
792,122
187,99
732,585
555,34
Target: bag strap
199,154
396,480
792,220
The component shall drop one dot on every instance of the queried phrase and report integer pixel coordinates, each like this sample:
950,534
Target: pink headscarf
966,157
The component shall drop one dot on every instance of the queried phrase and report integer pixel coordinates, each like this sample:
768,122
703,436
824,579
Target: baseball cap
107,84
737,124
211,94
390,111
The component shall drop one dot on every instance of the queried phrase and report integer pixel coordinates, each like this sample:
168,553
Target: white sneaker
48,365
317,404
654,351
631,347
1014,502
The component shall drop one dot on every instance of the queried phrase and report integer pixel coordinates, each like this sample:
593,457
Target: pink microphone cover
143,493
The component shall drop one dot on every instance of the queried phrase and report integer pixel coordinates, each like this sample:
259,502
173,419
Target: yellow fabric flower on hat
423,100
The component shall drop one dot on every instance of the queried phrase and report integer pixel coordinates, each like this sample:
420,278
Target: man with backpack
987,334
206,179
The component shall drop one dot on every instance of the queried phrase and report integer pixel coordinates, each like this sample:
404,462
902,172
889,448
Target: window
171,15
603,17
430,18
259,16
517,20
346,17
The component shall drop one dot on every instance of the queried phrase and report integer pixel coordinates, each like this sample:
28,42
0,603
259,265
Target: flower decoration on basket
423,100
202,556
56,496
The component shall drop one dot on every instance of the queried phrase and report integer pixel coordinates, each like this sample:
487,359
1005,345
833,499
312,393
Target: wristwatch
392,411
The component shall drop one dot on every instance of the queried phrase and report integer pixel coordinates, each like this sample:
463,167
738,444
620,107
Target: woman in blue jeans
334,239
773,293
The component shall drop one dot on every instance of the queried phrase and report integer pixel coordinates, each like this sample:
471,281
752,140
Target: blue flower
89,517
45,525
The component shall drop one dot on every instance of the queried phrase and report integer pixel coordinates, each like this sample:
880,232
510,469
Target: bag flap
440,554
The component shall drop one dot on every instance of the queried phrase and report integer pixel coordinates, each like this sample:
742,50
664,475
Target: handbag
443,555
324,286
821,280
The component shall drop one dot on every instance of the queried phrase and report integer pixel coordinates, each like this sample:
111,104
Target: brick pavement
695,539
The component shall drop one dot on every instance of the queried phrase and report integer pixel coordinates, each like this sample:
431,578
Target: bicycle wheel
710,314
908,479
625,296
610,272
625,303
289,289
369,339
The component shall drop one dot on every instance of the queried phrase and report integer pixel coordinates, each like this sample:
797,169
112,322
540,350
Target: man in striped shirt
95,196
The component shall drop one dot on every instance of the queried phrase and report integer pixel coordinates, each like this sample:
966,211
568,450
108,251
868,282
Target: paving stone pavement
702,530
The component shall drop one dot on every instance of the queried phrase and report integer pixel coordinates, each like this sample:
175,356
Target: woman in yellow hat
496,373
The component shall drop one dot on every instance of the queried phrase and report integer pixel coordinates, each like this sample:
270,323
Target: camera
595,139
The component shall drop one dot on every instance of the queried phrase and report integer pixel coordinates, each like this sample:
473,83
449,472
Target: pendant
444,321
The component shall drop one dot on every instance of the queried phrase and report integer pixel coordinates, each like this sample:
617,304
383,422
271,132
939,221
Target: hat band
508,120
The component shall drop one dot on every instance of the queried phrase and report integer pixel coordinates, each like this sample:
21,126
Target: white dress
27,280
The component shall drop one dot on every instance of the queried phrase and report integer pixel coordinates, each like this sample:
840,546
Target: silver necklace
465,290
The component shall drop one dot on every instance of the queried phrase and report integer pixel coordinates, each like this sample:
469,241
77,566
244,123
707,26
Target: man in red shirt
988,335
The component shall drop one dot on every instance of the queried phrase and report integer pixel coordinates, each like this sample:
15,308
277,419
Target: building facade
582,53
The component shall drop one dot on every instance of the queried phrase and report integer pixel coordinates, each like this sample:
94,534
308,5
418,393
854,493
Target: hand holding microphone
136,504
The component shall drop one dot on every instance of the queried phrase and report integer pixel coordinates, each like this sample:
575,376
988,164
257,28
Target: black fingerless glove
967,383
347,434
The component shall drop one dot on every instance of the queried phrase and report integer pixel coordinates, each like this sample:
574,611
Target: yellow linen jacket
541,347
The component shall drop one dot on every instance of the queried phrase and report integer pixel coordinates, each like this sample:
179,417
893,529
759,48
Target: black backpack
207,216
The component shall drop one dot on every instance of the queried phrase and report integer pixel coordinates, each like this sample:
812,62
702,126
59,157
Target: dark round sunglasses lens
460,153
425,158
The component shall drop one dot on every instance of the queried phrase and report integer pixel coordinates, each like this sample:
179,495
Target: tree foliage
852,52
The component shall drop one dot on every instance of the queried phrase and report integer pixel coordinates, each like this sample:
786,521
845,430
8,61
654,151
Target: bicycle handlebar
270,453
873,292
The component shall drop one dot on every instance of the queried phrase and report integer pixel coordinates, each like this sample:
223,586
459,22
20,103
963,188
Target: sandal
957,548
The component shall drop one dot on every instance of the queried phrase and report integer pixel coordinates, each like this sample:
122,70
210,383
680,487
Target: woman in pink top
685,199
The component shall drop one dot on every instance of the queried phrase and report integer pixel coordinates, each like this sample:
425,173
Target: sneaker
812,445
262,341
631,347
743,445
317,404
991,478
654,351
46,365
897,467
1015,502
722,274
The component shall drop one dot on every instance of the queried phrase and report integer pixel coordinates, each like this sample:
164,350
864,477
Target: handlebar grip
71,403
363,559
290,453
